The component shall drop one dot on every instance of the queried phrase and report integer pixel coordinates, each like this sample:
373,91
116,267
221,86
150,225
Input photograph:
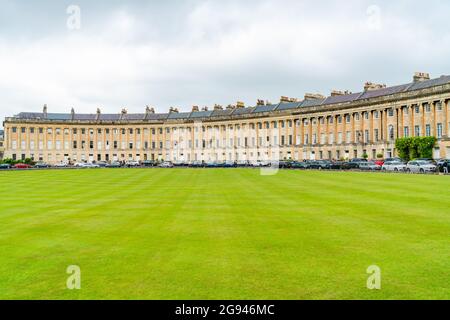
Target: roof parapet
173,110
340,93
314,96
370,86
421,76
218,107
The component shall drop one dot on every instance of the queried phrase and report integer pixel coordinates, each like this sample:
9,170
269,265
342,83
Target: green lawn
223,234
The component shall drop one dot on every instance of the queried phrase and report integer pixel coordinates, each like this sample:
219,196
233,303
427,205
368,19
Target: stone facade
343,125
2,147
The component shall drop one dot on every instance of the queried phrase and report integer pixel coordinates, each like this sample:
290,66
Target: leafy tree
415,147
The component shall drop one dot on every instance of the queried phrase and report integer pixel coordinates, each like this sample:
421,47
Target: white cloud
216,52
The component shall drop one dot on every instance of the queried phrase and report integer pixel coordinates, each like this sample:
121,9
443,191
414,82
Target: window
391,112
417,108
428,130
406,132
74,144
91,144
31,130
439,106
23,129
14,129
99,131
376,136
405,110
348,135
391,132
439,130
357,116
347,118
417,131
366,136
366,115
427,107
74,131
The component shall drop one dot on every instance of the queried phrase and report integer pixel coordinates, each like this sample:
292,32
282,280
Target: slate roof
265,108
409,87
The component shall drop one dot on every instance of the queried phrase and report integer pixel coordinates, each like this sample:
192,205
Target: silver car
420,166
394,166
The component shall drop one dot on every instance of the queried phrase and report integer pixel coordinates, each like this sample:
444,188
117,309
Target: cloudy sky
196,52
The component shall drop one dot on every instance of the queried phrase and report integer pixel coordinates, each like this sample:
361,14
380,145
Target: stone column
446,120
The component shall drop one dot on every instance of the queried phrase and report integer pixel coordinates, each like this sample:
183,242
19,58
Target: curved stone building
343,125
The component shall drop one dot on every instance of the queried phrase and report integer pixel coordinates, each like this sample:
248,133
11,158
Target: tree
415,147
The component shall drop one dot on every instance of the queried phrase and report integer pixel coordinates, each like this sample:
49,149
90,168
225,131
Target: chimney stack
339,93
218,107
173,110
421,76
240,104
149,110
313,96
260,102
195,109
370,86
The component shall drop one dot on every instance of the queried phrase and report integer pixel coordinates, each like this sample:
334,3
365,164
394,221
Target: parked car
380,162
132,163
421,166
432,161
61,165
229,164
86,165
319,164
299,165
22,166
351,165
5,166
102,164
41,165
392,159
395,165
284,164
149,163
166,164
114,164
443,166
338,165
359,160
369,166
196,164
